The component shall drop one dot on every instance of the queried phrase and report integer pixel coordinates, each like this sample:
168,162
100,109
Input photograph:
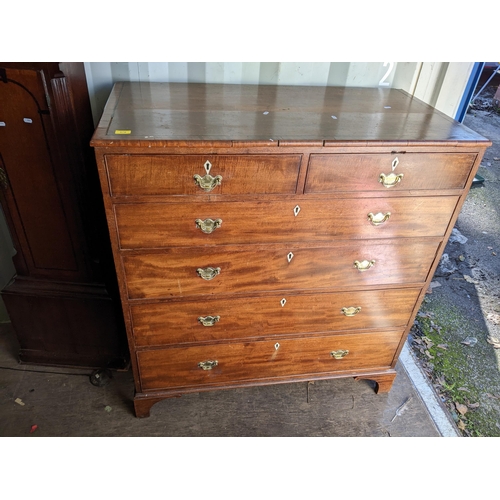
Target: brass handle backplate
207,182
208,320
350,311
363,265
209,273
208,364
390,180
208,226
380,218
341,353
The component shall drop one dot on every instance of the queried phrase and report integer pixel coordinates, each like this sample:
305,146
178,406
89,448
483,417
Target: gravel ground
457,333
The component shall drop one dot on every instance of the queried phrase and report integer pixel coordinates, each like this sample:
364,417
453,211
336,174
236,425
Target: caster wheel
100,378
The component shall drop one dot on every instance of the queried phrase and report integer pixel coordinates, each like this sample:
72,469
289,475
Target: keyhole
207,166
283,302
395,163
289,257
296,210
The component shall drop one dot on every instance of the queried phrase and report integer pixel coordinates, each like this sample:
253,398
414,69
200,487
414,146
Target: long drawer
222,319
329,173
142,175
235,362
156,225
185,271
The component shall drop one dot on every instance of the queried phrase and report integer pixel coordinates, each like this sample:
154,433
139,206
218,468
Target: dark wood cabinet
267,234
62,300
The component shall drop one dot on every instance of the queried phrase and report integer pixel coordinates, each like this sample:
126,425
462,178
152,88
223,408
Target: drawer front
224,319
156,225
142,175
176,271
361,172
179,366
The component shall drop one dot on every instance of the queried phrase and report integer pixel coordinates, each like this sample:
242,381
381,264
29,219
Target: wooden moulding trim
36,287
255,144
396,143
161,143
167,143
179,391
72,360
283,337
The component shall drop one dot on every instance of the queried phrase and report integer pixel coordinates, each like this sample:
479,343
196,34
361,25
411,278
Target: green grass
467,375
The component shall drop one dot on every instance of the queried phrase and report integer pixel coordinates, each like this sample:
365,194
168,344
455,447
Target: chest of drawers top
225,116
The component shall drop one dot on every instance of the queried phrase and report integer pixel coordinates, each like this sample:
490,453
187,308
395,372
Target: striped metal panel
438,84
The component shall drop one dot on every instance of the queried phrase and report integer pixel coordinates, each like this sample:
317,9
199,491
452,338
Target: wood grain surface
173,174
178,366
173,271
157,225
176,322
301,170
361,172
159,114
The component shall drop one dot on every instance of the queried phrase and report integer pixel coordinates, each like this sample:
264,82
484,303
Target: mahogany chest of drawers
270,234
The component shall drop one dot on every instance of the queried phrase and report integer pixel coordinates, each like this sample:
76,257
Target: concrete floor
63,402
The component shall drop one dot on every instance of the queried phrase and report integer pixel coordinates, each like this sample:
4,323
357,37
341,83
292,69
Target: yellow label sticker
122,132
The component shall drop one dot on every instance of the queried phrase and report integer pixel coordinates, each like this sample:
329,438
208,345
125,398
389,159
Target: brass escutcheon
380,218
363,265
341,353
207,182
208,364
209,273
350,311
390,180
208,226
208,320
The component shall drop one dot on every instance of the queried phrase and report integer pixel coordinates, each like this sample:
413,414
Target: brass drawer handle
363,265
208,320
209,273
208,226
380,218
208,364
350,311
341,353
207,182
390,180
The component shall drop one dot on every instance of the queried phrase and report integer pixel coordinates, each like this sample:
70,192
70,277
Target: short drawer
189,271
371,172
228,363
236,318
157,225
142,175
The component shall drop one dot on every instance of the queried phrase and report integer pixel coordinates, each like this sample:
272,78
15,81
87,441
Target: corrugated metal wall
436,83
